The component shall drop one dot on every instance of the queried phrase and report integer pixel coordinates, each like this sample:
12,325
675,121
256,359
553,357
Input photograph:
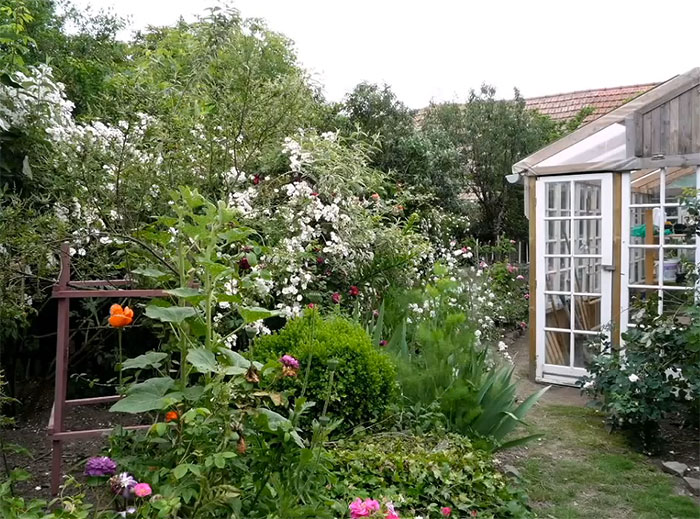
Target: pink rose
446,511
142,490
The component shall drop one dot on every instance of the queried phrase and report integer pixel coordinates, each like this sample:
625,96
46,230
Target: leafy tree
490,135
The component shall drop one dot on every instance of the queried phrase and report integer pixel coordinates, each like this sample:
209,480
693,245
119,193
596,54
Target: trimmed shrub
364,379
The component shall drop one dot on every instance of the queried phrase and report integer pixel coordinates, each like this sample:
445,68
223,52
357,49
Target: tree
489,136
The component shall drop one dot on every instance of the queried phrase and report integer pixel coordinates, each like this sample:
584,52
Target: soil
30,432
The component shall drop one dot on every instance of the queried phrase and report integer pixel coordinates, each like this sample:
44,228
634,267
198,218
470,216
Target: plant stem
121,360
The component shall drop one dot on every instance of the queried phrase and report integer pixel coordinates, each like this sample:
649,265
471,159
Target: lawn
578,470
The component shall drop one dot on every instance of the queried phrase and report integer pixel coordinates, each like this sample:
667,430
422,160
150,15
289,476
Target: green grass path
580,471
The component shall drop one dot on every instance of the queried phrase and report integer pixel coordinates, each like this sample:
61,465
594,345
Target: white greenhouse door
574,274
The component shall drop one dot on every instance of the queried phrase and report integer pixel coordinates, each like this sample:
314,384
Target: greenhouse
609,207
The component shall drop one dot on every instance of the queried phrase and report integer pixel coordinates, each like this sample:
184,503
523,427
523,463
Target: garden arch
607,210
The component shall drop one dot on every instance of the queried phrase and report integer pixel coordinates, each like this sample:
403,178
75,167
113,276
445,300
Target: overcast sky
439,49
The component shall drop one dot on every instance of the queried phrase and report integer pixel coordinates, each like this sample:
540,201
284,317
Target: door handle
609,268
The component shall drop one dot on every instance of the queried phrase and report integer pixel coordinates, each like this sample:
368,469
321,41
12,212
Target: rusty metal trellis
64,291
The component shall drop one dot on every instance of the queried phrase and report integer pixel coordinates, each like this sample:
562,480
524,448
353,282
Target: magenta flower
527,296
446,511
335,297
360,508
383,342
142,490
100,466
289,361
354,290
311,306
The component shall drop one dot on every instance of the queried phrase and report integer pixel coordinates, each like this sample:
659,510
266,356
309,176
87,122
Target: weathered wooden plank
695,99
638,136
646,132
674,120
664,128
685,125
682,86
656,131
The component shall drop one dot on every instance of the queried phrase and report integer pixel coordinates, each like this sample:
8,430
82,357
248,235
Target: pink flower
512,242
511,268
336,297
527,296
311,306
391,512
289,361
142,490
375,196
523,324
383,342
520,277
354,290
360,508
446,511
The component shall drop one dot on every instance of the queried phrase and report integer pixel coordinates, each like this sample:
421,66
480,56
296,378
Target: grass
579,471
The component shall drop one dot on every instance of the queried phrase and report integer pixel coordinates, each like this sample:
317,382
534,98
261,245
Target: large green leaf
251,314
152,359
189,294
150,273
203,360
149,395
170,314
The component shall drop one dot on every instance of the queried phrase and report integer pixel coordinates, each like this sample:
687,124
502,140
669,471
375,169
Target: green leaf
150,273
26,168
152,359
146,396
251,314
189,294
170,314
203,360
180,471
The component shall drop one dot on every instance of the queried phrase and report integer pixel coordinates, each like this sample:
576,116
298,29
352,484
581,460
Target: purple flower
289,361
100,466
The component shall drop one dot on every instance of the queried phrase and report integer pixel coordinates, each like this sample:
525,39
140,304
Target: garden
340,286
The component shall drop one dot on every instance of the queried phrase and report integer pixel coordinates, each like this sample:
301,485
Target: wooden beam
685,143
674,122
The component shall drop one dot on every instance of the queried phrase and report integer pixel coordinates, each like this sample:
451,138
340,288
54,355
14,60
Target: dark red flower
383,342
256,179
354,291
336,297
244,264
320,260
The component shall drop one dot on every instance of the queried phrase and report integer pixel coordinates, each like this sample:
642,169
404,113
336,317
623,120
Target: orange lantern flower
171,416
120,317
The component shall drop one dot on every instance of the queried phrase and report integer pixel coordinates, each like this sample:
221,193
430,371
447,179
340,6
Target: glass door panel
573,301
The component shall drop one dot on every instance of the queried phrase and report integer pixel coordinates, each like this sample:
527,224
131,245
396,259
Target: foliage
490,136
442,360
363,384
657,375
226,447
421,474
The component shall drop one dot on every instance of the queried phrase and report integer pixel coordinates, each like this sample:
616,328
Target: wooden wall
670,126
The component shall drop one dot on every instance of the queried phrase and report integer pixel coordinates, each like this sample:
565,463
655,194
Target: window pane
587,198
680,268
558,311
558,198
585,348
679,180
675,300
558,237
644,225
587,311
645,187
643,266
557,350
558,276
587,275
642,297
588,237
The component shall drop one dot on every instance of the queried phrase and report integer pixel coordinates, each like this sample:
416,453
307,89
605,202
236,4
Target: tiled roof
603,100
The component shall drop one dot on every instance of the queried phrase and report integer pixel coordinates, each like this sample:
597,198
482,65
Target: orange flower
120,317
171,416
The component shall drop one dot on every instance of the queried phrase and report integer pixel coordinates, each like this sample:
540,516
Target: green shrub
658,376
364,380
420,474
